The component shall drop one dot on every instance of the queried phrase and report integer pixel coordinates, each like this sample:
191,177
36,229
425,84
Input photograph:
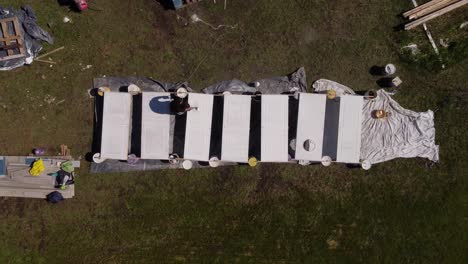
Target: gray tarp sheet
404,134
32,33
296,81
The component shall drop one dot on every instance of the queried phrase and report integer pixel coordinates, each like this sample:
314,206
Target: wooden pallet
11,39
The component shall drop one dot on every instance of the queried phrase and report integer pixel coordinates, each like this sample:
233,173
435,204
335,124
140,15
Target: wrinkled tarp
323,85
404,134
145,84
296,81
32,34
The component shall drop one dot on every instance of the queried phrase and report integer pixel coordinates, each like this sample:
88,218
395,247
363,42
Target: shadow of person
161,105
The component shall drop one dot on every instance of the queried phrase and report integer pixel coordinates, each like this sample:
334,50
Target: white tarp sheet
404,134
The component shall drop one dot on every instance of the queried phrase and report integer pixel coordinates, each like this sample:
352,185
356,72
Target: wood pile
430,10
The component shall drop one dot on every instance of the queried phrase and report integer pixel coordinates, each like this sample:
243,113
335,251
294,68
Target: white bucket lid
187,164
326,161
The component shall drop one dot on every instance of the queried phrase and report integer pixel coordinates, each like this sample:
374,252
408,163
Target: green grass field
401,211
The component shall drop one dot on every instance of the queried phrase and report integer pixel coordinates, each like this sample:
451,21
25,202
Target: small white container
390,69
366,165
326,161
187,164
214,162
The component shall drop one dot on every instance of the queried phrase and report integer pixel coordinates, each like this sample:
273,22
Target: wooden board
310,126
421,7
435,14
274,134
10,40
116,125
432,8
349,130
198,127
236,127
155,126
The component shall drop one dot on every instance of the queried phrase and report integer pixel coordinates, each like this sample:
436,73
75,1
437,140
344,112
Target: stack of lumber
430,10
19,183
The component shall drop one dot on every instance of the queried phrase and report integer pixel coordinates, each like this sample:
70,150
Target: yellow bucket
331,94
253,161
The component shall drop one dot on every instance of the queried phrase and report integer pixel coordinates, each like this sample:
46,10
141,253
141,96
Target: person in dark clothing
180,105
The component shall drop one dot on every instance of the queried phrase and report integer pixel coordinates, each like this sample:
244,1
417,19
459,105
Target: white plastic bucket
390,69
187,164
326,161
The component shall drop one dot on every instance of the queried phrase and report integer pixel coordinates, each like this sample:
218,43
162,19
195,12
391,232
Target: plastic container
326,161
187,164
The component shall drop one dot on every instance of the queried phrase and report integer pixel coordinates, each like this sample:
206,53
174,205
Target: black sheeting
217,127
330,131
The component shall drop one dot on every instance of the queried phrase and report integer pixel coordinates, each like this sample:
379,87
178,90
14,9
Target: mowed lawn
401,211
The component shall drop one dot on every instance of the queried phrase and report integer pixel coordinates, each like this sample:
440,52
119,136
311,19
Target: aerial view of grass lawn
399,211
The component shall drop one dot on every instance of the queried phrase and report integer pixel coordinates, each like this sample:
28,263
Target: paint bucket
133,89
181,92
132,159
366,165
389,69
371,94
174,159
331,94
187,164
214,162
326,161
97,158
102,90
253,161
380,114
38,151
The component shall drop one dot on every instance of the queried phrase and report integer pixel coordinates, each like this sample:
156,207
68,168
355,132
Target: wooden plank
432,8
18,32
11,57
155,125
116,125
198,128
6,35
349,131
310,126
274,123
435,14
236,127
421,7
